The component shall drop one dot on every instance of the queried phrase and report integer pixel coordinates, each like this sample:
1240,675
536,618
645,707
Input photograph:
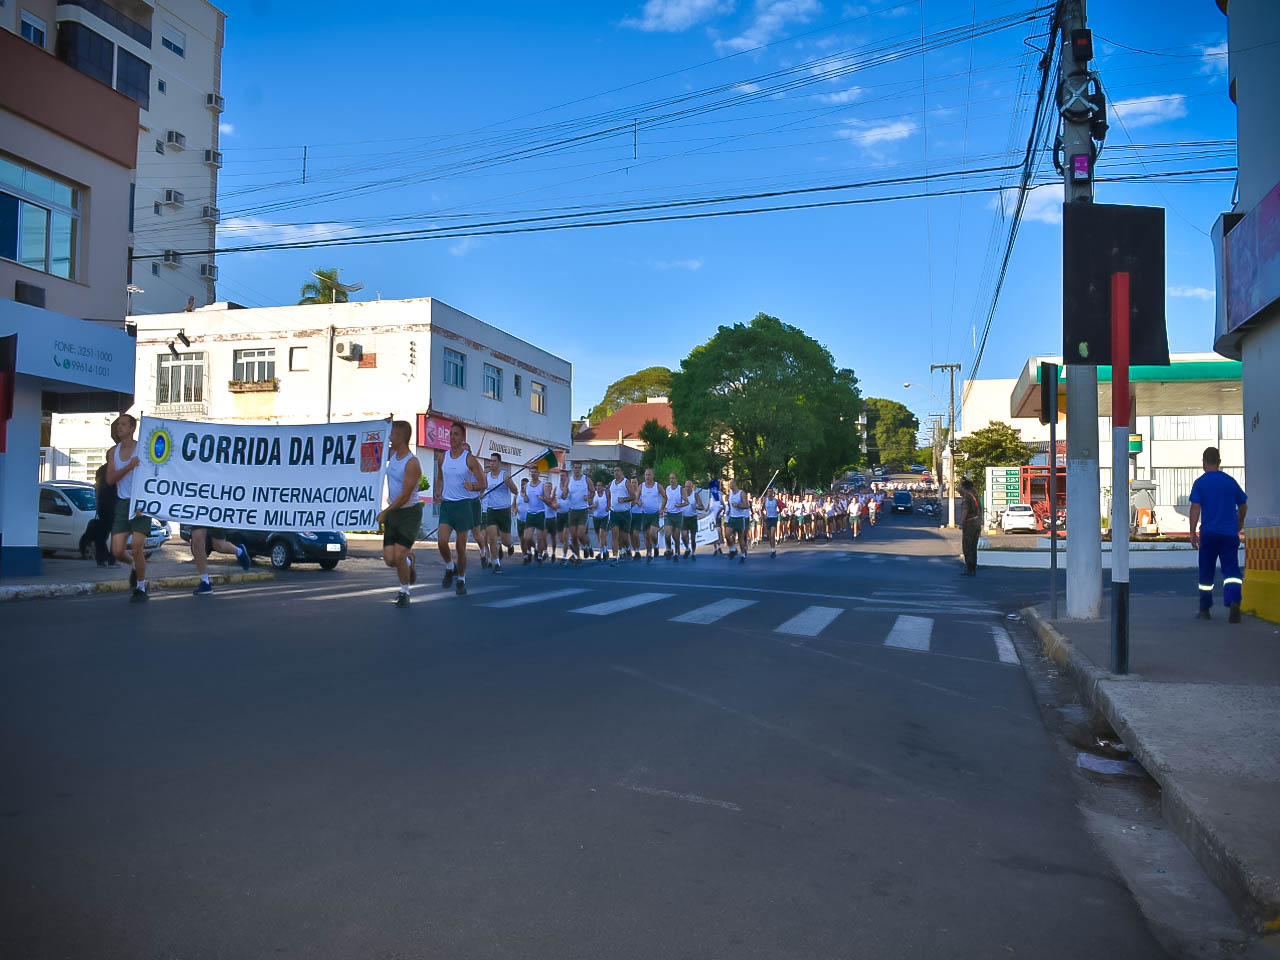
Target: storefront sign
311,477
433,432
67,349
1253,261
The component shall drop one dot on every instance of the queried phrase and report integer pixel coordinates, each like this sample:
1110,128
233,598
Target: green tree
891,432
767,397
667,466
995,445
662,444
325,288
633,388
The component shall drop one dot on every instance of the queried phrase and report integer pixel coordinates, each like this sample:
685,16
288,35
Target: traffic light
1048,392
1082,45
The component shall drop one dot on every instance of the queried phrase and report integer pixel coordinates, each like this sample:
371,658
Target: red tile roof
629,420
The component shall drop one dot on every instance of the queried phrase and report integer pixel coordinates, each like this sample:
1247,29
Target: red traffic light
1082,45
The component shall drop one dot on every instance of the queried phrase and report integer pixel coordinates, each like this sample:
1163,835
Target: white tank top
599,505
499,497
522,507
738,504
771,507
562,500
650,497
579,490
124,486
533,496
395,475
690,509
456,472
674,496
618,494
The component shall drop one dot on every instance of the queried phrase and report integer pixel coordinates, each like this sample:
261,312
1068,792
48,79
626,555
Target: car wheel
281,555
328,563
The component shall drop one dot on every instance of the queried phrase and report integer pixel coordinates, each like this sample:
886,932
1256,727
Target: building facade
1193,403
616,438
418,360
167,57
67,149
1247,254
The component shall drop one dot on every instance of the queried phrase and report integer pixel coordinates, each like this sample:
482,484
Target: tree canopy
633,388
324,288
767,397
891,432
995,445
694,460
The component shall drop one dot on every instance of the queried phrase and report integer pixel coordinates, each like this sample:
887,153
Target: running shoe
242,557
743,558
527,560
511,551
447,582
460,588
497,568
676,558
202,590
773,554
138,596
1204,615
402,599
649,558
484,563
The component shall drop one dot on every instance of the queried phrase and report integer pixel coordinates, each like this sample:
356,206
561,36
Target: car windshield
1020,508
82,497
902,497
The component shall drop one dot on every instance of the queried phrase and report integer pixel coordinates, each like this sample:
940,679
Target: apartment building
166,57
67,149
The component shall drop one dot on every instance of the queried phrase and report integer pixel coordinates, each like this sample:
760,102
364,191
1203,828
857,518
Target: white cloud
847,95
690,264
227,129
674,16
1195,293
254,230
1148,111
748,88
870,136
1044,204
464,246
768,19
1213,59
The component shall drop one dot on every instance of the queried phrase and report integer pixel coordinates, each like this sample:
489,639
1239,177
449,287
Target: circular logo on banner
159,446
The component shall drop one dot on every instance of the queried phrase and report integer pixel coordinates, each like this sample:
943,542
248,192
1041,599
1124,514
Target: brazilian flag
545,461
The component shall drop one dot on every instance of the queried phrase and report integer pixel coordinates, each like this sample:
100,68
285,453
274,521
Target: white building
167,57
419,360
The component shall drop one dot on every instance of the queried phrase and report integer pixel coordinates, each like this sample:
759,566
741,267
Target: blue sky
400,99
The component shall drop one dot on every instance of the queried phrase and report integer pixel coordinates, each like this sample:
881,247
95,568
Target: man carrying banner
402,519
129,528
457,478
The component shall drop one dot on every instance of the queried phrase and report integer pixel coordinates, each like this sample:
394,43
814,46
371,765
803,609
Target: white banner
313,477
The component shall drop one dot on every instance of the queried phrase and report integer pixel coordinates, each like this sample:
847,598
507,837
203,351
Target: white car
65,509
1019,516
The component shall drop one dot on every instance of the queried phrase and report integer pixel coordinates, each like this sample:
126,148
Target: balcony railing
108,14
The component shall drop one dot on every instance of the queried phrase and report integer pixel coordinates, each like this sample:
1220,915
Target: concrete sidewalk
169,567
1201,712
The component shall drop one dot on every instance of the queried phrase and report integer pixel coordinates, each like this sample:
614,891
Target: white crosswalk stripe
1004,645
536,597
910,633
622,603
714,611
810,621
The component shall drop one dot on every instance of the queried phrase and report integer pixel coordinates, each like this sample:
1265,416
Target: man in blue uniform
1218,506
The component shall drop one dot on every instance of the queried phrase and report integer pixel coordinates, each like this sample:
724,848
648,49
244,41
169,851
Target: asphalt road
826,755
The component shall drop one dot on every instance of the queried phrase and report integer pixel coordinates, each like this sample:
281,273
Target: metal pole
1120,473
951,368
1084,533
328,403
1053,494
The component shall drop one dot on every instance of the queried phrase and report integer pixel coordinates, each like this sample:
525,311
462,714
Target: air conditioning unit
214,102
213,158
210,214
172,258
174,197
175,139
208,271
348,350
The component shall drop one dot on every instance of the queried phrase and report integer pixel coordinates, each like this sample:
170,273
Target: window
171,38
89,52
455,368
516,384
51,502
297,358
179,379
33,29
1184,428
255,366
162,87
1233,426
83,463
160,147
39,220
155,269
133,78
156,208
537,396
492,381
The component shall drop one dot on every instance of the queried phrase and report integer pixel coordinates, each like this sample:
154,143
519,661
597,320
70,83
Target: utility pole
1084,530
951,368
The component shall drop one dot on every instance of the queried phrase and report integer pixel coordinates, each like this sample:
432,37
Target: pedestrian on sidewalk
970,525
104,510
1218,508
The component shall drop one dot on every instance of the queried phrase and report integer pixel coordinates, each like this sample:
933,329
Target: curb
42,591
1253,897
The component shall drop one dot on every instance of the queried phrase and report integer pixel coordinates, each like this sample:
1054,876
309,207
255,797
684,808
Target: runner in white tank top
652,502
129,527
402,519
600,520
578,490
673,517
496,501
458,477
771,520
620,495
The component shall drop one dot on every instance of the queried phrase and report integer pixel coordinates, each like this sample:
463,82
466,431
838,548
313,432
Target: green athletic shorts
535,521
457,514
771,523
648,520
737,524
520,525
123,522
477,518
620,519
500,519
578,518
402,527
689,523
551,522
562,521
600,524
